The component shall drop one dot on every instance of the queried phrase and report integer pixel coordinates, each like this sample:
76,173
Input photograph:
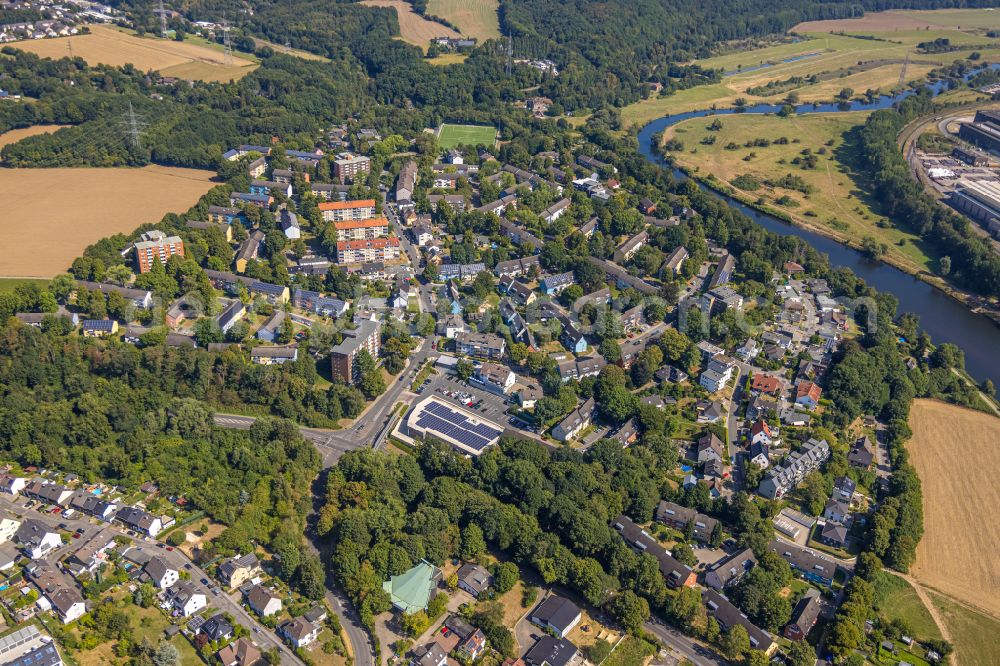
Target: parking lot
451,389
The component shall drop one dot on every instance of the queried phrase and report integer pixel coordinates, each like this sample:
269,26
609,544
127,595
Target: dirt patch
880,22
52,215
196,537
413,28
958,552
108,46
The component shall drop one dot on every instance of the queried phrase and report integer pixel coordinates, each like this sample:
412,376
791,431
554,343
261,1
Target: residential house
767,384
761,433
233,312
577,421
299,632
844,488
474,579
710,411
759,454
628,249
760,406
248,199
8,528
263,601
809,564
834,535
36,538
675,261
495,378
49,493
12,485
249,249
781,479
710,447
241,652
270,329
730,570
862,453
555,211
459,637
728,616
555,284
224,215
99,328
239,569
289,224
62,595
808,394
676,574
549,651
585,367
557,614
804,616
457,202
431,654
217,628
91,555
274,355
406,183
626,434
480,345
680,517
161,573
139,520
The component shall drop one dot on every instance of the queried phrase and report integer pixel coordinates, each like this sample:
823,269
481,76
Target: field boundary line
926,600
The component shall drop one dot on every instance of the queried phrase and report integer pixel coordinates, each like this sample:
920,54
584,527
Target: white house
263,601
162,574
186,598
299,632
12,485
36,538
8,528
761,433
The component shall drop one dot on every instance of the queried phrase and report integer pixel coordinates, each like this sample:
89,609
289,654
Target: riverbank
974,303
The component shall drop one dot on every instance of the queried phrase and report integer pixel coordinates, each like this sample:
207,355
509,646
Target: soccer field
450,136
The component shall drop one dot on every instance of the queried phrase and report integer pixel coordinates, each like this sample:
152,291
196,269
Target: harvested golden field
955,451
53,214
109,46
475,18
14,136
413,28
893,21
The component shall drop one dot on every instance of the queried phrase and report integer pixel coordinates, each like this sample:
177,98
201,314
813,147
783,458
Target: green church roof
411,591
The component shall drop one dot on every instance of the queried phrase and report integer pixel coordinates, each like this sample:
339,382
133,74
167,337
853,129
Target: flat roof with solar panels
462,429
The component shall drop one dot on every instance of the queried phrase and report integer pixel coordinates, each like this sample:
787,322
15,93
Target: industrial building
980,200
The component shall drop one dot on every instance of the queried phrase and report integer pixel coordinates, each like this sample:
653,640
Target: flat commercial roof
462,429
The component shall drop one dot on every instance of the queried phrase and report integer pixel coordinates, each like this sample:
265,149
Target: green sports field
450,136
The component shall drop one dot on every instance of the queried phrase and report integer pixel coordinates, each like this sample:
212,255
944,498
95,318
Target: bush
176,538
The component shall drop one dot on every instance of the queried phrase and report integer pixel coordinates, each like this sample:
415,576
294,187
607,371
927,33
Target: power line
134,125
227,43
163,20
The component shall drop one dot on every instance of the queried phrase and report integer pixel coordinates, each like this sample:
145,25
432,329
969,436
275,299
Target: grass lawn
630,652
450,136
976,636
8,285
896,599
838,202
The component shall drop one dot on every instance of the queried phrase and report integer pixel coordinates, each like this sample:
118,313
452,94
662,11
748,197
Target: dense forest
972,263
124,416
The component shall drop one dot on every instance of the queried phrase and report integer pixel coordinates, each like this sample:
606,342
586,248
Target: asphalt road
684,646
332,444
260,634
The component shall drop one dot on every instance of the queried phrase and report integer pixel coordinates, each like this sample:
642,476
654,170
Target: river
944,318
